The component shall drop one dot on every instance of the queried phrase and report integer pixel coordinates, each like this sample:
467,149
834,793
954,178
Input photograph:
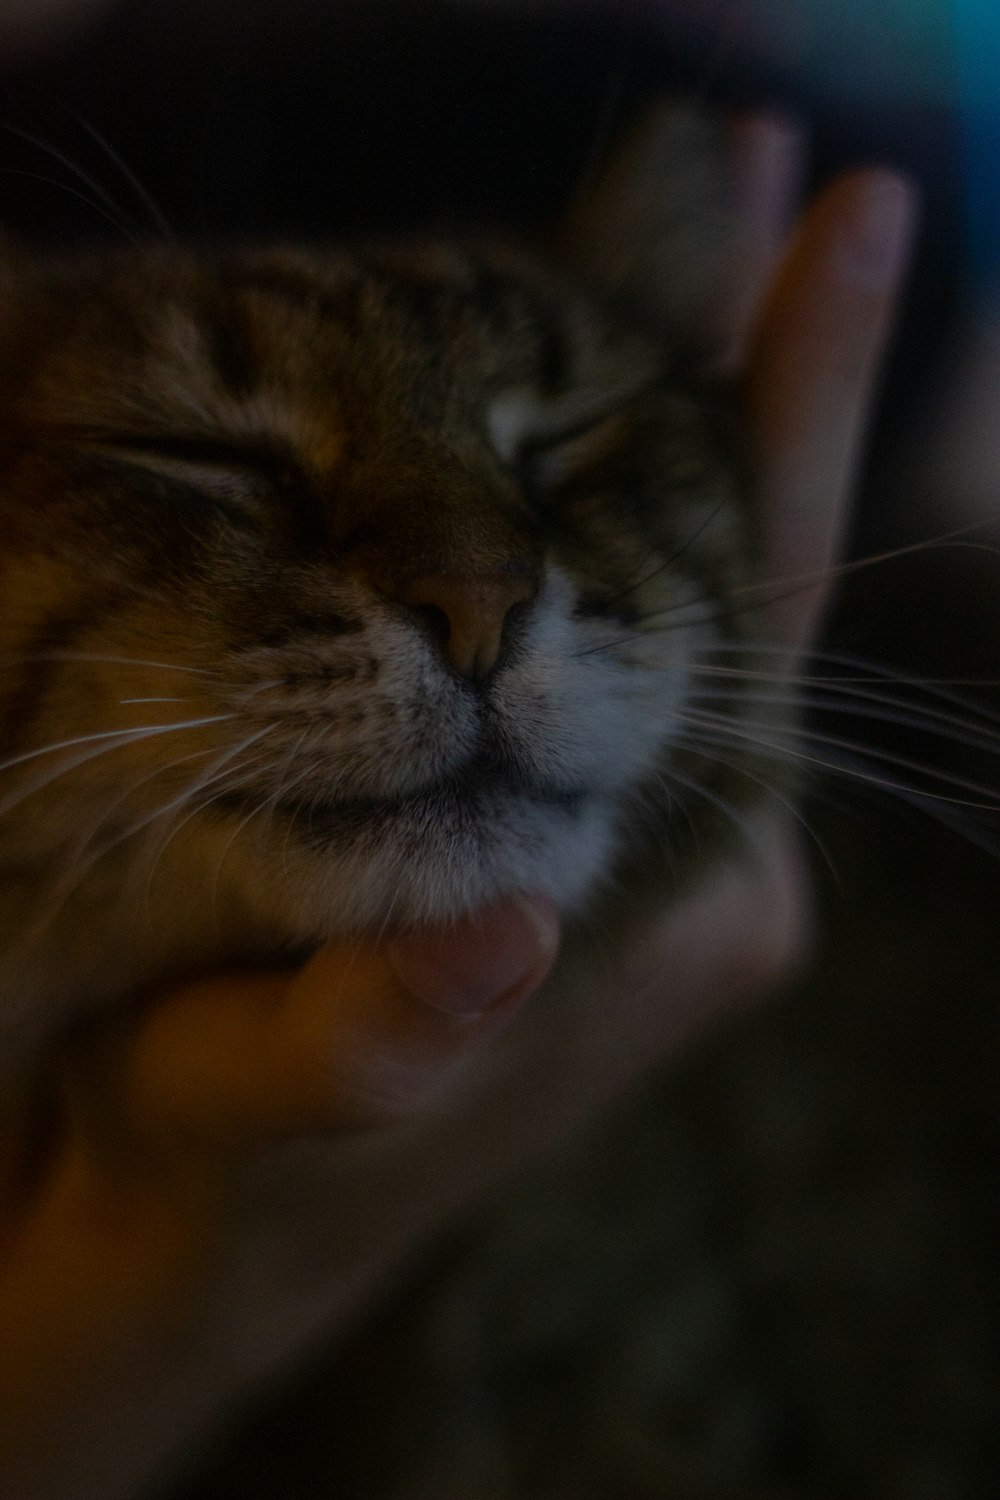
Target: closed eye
212,462
550,438
521,418
549,462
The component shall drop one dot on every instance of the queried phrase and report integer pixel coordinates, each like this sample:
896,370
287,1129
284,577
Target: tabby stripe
339,305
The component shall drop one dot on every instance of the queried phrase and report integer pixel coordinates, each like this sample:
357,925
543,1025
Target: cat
344,589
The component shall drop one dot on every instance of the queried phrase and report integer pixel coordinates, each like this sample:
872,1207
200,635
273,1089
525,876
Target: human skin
242,1166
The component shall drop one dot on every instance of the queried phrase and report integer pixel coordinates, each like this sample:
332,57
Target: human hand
246,1162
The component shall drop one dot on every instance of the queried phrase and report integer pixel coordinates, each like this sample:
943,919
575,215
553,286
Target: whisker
947,812
267,804
78,871
286,782
749,732
47,148
27,659
872,706
125,736
765,592
708,745
794,583
870,673
156,216
122,702
184,796
727,809
864,665
75,872
633,586
226,776
112,740
65,187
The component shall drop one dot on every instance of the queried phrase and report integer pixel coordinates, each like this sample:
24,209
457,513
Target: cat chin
420,866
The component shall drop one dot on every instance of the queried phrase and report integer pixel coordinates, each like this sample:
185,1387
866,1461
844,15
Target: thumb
359,1037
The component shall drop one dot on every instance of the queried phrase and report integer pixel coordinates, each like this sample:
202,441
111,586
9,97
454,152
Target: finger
358,1038
812,374
609,1019
736,939
767,159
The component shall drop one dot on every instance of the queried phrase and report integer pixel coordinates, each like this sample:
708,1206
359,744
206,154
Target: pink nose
472,612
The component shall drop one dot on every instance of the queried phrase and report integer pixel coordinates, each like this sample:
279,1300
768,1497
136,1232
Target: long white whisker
731,813
708,745
156,215
184,796
267,804
871,673
215,776
74,192
750,733
761,592
287,783
27,658
80,866
876,706
98,744
112,210
638,582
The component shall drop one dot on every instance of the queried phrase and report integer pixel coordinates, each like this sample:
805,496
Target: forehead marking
315,436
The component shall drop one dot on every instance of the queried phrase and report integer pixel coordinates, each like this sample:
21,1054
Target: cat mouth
476,795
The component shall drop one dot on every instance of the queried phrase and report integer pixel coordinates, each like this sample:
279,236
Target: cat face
340,591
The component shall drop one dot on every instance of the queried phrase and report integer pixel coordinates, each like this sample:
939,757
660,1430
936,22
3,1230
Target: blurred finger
812,374
358,1038
767,161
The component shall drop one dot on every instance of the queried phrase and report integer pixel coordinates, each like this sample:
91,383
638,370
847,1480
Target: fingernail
496,955
872,251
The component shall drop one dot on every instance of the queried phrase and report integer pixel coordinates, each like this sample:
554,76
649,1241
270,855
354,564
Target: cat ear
654,226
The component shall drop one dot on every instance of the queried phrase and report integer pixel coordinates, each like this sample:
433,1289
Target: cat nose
472,612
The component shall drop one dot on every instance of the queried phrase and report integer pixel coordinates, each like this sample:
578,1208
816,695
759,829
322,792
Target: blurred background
822,1315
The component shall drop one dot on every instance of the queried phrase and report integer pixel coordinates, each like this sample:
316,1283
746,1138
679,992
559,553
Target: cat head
343,589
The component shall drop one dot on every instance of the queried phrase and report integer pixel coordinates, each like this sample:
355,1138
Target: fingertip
813,376
496,955
872,245
768,156
765,170
373,1036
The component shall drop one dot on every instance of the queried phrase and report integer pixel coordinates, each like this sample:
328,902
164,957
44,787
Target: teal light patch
860,52
890,51
977,57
